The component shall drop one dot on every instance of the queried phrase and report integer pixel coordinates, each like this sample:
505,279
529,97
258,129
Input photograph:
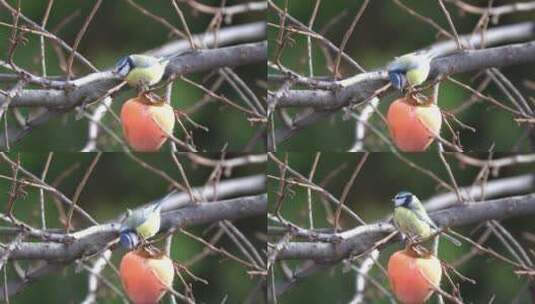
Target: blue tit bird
141,71
412,220
140,225
410,69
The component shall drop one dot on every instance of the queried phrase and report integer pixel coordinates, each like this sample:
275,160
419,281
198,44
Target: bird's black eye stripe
405,196
130,61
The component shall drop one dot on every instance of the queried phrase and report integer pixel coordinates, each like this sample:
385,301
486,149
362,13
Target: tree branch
362,238
69,94
64,248
93,86
363,85
94,239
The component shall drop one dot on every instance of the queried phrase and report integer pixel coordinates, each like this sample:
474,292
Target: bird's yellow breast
150,227
145,76
408,223
417,76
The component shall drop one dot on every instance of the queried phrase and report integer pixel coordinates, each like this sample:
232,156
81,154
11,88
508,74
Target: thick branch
93,86
362,238
248,32
467,61
205,60
360,87
211,212
92,240
493,188
234,187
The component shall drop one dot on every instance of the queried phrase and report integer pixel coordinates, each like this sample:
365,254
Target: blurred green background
381,177
385,31
118,29
116,184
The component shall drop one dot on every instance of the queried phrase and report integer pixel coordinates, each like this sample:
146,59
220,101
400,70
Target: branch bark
362,238
360,87
65,248
89,88
93,86
94,239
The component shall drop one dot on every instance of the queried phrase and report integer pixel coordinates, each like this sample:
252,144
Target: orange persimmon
146,125
412,277
145,279
413,126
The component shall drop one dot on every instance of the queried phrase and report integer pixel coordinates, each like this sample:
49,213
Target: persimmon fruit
413,278
413,126
145,278
146,125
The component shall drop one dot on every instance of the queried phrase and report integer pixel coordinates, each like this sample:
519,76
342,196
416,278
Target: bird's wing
144,61
414,62
403,63
137,218
422,215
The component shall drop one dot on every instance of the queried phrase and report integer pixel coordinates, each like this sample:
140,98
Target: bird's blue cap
401,194
124,65
397,79
129,240
402,198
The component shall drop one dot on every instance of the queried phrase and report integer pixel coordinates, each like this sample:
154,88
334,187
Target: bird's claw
153,98
416,95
